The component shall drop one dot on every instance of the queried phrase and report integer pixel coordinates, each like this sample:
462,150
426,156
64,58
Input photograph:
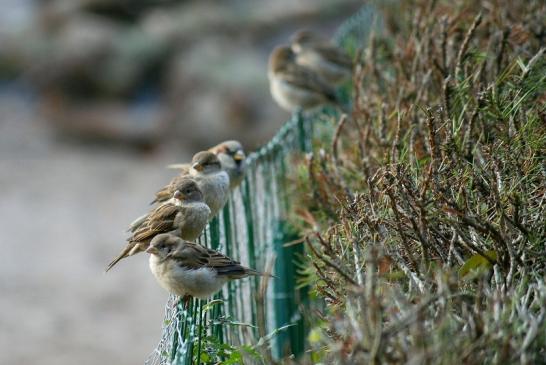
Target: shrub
426,222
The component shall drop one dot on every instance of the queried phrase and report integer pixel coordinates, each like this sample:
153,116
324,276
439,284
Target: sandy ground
63,210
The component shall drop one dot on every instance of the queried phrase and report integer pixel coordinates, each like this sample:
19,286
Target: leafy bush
426,222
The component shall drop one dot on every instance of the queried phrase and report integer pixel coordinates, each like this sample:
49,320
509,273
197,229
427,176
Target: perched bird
191,270
294,86
184,215
207,172
332,63
232,158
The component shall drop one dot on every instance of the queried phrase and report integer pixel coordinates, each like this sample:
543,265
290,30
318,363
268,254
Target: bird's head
188,191
302,39
206,162
280,58
231,149
164,244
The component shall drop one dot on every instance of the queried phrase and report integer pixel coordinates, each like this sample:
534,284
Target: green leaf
317,355
478,263
212,303
315,335
395,275
205,357
251,351
234,358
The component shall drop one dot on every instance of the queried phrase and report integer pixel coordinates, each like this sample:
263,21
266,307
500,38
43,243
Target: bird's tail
259,273
127,251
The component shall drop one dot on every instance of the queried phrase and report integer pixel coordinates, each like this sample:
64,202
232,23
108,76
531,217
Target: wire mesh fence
253,229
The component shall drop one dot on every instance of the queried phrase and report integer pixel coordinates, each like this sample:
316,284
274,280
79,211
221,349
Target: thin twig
331,264
464,46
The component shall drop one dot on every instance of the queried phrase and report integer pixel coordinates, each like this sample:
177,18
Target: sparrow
332,63
207,172
232,158
190,270
294,86
184,215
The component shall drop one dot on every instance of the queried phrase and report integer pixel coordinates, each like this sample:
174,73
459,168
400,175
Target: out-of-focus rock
53,12
85,37
95,57
136,62
194,20
91,61
219,86
79,47
142,122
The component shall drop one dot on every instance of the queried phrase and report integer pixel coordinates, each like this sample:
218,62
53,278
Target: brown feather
304,78
195,256
130,249
160,220
334,55
167,191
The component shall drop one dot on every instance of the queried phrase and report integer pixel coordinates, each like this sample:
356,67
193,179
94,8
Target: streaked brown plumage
232,158
294,86
184,215
188,269
329,61
207,172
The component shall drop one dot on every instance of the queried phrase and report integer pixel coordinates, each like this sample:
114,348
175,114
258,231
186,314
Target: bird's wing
302,77
334,55
195,256
167,191
163,194
160,220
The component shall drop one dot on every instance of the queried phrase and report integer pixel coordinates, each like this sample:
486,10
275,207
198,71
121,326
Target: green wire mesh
253,228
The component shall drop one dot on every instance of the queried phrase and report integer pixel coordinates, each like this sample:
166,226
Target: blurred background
96,97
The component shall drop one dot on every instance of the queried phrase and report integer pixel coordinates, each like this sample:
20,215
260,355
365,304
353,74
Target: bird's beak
197,166
152,250
239,156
